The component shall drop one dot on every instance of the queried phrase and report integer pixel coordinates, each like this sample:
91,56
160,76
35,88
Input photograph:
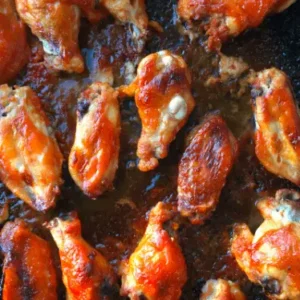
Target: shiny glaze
115,224
14,50
29,271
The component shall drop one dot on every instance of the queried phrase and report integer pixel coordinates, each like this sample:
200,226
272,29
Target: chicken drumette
156,269
28,267
271,256
30,160
277,132
224,18
221,290
56,24
86,273
163,96
204,167
14,51
94,156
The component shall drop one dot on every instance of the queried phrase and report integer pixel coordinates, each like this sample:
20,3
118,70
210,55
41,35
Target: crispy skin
221,19
271,256
14,51
30,160
221,290
163,96
86,273
204,167
56,24
156,269
277,133
93,160
28,267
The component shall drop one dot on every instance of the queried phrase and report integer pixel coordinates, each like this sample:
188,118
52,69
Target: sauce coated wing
271,256
14,51
224,18
277,133
221,290
30,160
56,24
204,167
86,273
156,269
163,96
94,156
28,267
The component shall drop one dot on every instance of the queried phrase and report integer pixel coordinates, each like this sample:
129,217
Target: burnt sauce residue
115,222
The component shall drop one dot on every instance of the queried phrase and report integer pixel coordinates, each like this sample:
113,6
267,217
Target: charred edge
271,286
256,92
82,108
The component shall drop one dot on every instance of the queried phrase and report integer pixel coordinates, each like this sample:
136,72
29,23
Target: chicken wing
30,160
163,96
204,167
14,51
93,160
56,24
130,11
277,133
156,269
86,273
221,290
225,18
271,256
28,267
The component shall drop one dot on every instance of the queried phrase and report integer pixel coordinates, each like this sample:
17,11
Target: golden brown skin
14,51
56,24
28,267
221,290
86,273
163,96
221,19
277,132
271,256
204,167
93,160
30,160
156,269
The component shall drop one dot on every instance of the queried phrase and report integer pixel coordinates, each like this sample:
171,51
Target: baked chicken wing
93,160
163,96
30,160
56,24
86,273
271,256
28,267
156,269
277,132
204,167
221,290
14,51
221,19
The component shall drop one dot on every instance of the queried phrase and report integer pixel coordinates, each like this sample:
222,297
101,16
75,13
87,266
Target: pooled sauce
115,222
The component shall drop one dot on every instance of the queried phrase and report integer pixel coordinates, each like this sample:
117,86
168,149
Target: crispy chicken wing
277,133
28,267
30,160
221,290
156,269
204,167
86,273
14,51
93,160
56,24
163,96
271,256
221,19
